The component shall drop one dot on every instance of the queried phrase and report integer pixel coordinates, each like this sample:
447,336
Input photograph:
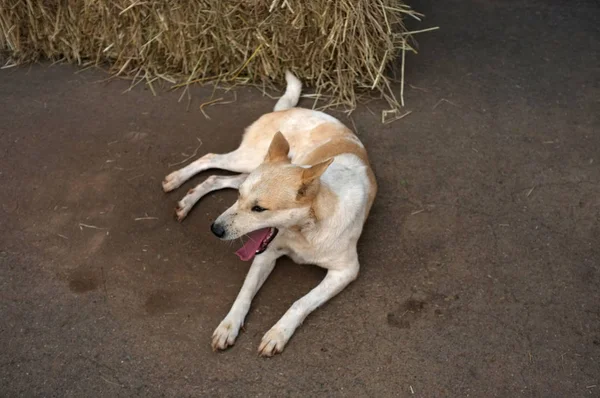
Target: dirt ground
480,262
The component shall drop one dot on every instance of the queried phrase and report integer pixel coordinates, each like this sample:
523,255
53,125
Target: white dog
305,191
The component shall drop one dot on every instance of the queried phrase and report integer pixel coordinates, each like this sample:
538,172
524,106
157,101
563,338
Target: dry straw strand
342,49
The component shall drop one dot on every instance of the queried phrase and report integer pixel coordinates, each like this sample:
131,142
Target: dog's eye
258,209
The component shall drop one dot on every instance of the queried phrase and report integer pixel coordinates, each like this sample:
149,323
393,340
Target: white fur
329,242
292,93
212,183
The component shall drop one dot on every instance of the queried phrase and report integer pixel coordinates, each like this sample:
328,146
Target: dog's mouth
257,243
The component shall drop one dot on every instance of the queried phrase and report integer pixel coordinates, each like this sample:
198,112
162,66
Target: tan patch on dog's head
271,187
277,184
276,194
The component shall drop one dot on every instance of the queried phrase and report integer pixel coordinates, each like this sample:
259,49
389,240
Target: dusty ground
480,262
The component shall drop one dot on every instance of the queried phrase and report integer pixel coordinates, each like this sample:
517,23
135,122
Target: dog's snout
218,230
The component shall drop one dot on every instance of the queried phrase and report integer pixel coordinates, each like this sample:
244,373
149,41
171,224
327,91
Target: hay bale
340,48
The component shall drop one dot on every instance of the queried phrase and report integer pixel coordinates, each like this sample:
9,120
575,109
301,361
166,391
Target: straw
342,49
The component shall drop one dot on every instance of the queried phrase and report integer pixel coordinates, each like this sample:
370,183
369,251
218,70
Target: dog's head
276,195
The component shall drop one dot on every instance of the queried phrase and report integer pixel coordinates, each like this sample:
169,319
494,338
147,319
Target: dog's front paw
272,343
225,334
171,182
181,210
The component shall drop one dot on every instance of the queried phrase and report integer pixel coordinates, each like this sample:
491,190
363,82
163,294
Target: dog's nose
218,230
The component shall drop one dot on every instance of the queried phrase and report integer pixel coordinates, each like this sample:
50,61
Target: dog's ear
313,172
309,175
278,150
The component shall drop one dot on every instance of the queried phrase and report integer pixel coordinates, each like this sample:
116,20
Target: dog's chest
295,246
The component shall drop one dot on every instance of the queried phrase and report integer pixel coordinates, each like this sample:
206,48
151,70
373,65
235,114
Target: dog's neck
320,210
324,204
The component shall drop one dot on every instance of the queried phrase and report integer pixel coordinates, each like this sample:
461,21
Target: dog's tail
292,93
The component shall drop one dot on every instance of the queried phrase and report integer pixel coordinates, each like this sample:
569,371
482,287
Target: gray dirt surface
480,261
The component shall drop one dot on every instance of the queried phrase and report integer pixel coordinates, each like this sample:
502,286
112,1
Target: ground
480,261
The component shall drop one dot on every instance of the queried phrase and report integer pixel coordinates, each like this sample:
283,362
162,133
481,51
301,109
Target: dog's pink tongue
249,249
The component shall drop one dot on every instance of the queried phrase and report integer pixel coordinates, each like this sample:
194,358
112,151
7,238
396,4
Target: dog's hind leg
242,160
212,183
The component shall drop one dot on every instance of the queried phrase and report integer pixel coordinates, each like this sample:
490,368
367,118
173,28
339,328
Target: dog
305,191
